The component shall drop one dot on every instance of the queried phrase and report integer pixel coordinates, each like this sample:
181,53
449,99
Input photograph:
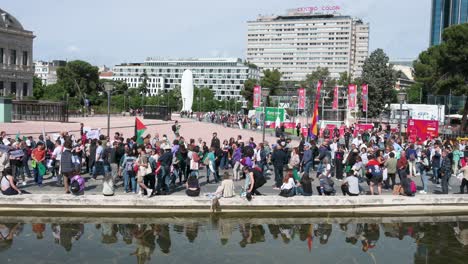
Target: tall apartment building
224,76
47,71
16,48
446,13
299,42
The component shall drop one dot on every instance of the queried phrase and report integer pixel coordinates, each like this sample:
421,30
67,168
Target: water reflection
437,242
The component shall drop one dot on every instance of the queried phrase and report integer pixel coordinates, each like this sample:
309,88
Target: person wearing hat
308,158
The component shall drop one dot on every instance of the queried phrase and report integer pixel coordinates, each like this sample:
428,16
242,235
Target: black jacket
279,158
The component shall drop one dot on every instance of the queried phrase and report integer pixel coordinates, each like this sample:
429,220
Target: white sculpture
186,90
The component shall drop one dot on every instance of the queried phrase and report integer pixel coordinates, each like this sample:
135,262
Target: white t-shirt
57,152
99,151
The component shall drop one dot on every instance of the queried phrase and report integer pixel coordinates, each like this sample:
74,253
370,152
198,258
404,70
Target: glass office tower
446,13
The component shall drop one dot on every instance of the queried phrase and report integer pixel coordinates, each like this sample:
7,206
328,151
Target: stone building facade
16,58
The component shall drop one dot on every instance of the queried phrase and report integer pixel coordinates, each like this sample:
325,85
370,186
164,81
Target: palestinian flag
139,130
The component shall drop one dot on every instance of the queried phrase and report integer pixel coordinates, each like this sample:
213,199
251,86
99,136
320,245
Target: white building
16,52
224,76
304,39
47,71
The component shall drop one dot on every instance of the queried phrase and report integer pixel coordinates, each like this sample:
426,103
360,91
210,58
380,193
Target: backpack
77,184
130,166
413,187
174,128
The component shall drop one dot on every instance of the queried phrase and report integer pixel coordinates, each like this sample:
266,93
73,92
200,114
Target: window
25,58
25,89
1,87
1,55
13,57
13,88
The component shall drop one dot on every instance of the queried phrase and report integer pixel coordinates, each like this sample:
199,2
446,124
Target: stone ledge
40,204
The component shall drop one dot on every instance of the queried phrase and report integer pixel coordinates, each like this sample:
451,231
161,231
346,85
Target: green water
231,240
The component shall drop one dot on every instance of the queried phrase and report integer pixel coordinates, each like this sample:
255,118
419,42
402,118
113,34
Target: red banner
365,93
257,96
351,96
335,98
361,128
422,129
302,97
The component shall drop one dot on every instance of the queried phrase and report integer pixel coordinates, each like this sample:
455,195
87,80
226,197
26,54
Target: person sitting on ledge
193,186
350,186
226,189
8,183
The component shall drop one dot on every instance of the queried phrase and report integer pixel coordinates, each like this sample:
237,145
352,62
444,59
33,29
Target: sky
110,32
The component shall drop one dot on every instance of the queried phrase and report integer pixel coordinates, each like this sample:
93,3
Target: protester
8,183
226,189
193,186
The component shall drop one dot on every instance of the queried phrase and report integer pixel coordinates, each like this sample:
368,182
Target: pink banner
302,97
351,96
335,98
257,96
365,93
361,128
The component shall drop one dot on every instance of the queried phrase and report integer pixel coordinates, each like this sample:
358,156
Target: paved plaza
189,129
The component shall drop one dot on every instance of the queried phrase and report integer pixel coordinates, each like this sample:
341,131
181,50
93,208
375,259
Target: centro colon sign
311,9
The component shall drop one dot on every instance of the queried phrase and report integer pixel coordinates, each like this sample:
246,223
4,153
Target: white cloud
72,49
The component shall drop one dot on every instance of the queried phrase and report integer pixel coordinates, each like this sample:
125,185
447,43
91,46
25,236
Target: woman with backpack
128,171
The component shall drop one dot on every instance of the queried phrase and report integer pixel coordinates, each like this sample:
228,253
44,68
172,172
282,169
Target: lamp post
401,98
265,93
108,87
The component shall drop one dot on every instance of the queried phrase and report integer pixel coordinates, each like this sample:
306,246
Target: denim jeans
300,191
211,170
236,170
307,166
435,173
444,181
129,179
37,176
424,179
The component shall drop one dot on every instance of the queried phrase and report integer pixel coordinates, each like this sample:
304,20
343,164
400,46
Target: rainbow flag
315,115
139,130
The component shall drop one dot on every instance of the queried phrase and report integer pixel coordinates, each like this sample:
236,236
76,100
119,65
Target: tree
444,68
380,77
38,88
344,79
271,79
247,92
310,83
80,79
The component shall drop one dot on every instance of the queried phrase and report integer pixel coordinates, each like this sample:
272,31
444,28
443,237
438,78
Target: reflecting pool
234,240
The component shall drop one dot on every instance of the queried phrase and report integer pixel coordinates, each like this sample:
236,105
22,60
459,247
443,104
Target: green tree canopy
310,83
78,78
38,88
271,79
247,92
380,77
444,68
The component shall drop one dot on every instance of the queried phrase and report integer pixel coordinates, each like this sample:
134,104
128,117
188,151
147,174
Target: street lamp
108,87
401,98
265,93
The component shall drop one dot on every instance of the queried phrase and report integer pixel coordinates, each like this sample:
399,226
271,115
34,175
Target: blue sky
115,31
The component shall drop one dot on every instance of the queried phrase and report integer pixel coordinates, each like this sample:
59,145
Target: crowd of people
373,160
